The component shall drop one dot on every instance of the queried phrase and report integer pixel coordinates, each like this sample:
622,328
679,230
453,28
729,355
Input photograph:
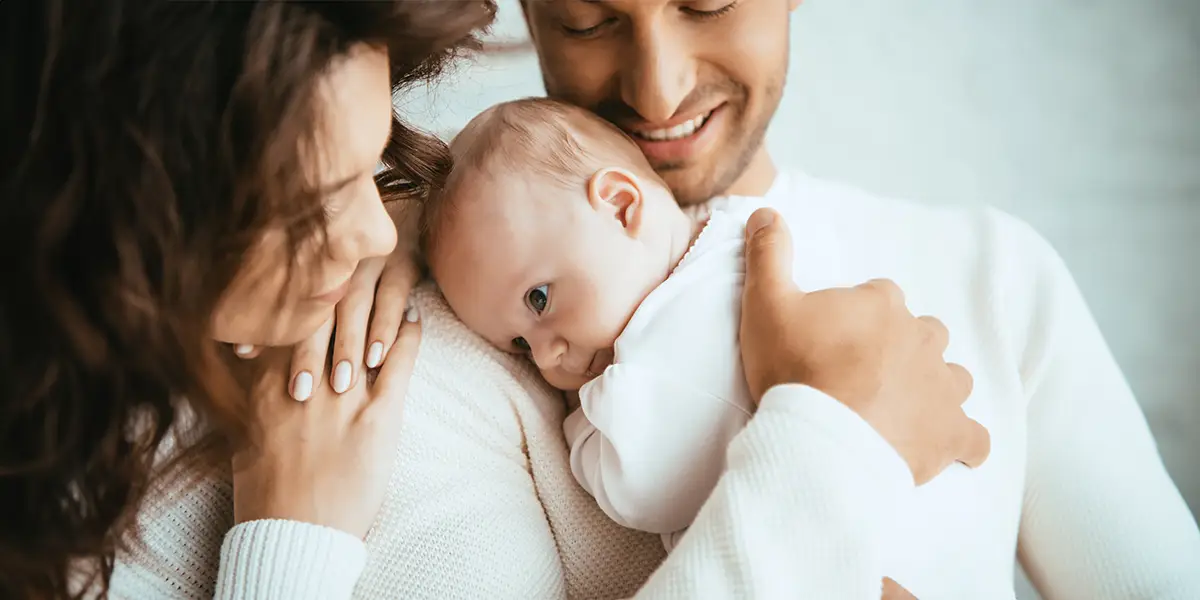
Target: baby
555,239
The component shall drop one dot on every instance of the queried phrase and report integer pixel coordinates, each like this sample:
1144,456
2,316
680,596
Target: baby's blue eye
537,298
520,344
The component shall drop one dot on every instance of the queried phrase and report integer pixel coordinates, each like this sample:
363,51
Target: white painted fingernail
243,349
375,354
341,376
411,315
302,386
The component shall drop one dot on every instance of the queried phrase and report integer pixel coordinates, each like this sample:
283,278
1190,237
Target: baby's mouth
600,361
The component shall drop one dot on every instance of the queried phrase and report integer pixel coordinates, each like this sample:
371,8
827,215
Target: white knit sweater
482,503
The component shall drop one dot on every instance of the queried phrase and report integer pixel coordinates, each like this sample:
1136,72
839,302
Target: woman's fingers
398,278
392,384
353,316
308,362
247,351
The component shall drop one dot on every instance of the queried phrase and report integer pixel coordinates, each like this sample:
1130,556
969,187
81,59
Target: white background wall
1081,117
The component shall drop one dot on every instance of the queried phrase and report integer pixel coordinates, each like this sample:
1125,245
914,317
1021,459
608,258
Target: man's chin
691,185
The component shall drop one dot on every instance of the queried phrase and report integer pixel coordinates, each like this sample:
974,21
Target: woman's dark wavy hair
146,145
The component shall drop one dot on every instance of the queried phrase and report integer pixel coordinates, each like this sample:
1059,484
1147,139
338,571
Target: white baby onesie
649,438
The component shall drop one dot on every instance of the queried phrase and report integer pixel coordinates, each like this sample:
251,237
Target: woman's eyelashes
538,298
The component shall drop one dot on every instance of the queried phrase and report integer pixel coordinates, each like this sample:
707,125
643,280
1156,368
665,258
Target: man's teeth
679,131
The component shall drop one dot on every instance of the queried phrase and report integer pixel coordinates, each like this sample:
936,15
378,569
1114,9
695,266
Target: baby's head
550,231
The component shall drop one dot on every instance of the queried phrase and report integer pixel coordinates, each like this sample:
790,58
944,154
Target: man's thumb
768,250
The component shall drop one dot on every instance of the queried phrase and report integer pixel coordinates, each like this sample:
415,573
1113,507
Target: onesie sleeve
649,447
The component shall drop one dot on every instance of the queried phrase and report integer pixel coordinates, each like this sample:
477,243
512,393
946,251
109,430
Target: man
1074,481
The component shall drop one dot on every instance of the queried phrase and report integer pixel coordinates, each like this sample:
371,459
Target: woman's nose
365,232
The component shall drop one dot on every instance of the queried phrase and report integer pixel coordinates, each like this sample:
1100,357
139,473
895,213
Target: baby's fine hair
535,136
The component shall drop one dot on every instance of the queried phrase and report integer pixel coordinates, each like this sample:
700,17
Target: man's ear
618,192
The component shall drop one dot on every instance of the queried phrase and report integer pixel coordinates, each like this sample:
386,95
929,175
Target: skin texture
593,255
357,117
657,63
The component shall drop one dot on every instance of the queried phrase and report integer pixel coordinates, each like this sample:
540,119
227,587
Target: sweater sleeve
278,559
650,448
798,512
1101,516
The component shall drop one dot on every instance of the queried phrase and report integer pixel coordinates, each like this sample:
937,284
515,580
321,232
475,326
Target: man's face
695,82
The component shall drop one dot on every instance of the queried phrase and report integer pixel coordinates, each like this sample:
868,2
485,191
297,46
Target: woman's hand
365,324
861,346
366,320
326,461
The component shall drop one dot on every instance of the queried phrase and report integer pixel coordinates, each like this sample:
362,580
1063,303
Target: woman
185,178
162,169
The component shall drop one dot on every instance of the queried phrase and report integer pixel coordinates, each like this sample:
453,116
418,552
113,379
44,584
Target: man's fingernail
341,376
375,354
243,349
759,220
411,315
302,386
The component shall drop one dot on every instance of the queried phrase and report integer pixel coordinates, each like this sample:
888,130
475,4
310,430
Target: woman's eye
537,298
520,344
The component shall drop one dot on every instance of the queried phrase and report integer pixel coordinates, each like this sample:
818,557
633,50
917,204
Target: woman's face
262,306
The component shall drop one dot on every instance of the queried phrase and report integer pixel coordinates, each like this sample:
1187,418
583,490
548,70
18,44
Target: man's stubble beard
710,187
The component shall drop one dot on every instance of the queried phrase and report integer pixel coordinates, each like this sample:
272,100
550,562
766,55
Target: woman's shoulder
447,345
460,377
462,363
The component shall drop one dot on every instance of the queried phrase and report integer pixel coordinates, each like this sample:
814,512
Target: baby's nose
547,350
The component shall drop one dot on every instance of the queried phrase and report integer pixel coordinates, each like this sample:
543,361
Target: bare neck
756,180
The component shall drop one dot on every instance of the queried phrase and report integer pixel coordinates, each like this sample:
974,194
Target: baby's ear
618,193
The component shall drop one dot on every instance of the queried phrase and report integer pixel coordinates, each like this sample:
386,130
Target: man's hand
895,591
861,346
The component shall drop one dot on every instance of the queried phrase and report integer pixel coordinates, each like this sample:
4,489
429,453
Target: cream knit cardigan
482,504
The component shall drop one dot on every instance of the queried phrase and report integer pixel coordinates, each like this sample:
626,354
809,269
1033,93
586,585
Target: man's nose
660,72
